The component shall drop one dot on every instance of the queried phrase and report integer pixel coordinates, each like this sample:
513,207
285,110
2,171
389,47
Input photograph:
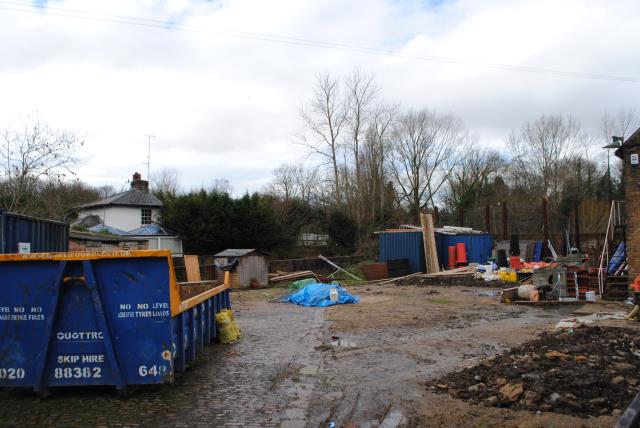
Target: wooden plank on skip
192,266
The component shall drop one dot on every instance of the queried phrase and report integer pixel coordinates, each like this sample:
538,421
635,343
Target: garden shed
252,269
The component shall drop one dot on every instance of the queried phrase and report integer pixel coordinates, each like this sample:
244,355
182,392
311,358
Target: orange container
452,257
515,263
461,254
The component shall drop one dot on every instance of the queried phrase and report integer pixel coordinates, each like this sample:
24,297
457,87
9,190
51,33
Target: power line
171,25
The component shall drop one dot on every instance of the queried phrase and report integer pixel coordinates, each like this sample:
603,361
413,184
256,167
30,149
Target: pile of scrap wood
292,276
465,271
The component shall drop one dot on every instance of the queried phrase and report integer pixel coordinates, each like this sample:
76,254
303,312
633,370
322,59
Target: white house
135,213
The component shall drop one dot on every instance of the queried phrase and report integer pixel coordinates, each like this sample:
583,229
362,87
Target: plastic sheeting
318,295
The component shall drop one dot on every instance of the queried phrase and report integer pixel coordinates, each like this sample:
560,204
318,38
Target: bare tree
106,190
477,170
375,154
425,151
166,181
361,92
307,181
221,185
324,119
540,150
32,153
283,183
619,124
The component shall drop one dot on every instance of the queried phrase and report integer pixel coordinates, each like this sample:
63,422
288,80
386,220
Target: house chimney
138,183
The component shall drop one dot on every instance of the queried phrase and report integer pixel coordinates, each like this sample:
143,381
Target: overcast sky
227,107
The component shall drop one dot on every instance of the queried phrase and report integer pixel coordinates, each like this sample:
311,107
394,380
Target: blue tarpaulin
318,295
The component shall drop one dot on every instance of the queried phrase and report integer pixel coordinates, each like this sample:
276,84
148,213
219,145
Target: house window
145,217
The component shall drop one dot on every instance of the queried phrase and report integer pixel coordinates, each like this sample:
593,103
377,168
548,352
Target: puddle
342,343
588,319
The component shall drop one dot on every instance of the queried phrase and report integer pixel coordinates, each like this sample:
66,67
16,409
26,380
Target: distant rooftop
103,228
150,230
238,252
138,196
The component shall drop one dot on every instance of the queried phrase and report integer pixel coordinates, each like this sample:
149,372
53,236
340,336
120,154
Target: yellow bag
228,330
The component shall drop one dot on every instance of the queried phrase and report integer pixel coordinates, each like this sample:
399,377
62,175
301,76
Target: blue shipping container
403,245
42,235
99,319
479,247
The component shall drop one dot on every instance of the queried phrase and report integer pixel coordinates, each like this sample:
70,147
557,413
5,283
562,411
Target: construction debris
293,276
588,371
321,257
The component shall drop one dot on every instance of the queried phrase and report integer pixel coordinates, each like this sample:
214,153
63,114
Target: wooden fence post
545,225
505,222
577,226
487,218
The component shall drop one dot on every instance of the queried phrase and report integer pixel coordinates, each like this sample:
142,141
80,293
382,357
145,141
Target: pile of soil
188,290
587,371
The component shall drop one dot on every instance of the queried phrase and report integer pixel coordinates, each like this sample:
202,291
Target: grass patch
439,301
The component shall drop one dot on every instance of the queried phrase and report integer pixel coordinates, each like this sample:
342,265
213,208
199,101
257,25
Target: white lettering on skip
79,335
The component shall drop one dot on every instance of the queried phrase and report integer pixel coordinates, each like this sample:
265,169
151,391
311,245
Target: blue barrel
99,319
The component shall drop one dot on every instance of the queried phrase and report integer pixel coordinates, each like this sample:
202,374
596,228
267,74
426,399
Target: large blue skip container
99,319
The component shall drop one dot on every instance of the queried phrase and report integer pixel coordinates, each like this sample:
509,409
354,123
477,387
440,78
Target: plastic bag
228,330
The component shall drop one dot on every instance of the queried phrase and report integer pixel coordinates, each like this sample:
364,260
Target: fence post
505,222
577,227
487,218
461,216
545,225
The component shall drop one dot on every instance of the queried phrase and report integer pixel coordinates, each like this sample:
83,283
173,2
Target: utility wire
171,25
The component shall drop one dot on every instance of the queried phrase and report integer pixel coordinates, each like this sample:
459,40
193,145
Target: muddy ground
399,338
369,364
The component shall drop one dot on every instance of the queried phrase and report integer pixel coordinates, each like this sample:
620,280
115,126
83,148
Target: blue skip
318,294
113,318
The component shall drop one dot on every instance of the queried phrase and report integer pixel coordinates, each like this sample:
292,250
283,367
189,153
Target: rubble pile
586,371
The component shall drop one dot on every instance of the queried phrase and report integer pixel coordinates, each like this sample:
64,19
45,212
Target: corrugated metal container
99,319
479,246
42,235
403,245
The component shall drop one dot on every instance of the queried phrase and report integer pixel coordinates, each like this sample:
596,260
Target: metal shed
403,244
21,233
253,266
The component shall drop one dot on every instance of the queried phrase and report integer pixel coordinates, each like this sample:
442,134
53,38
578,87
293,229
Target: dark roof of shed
239,252
633,140
133,198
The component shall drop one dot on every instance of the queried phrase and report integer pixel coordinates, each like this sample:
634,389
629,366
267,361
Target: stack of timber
279,277
429,241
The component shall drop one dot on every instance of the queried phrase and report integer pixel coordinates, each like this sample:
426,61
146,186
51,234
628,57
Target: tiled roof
134,198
